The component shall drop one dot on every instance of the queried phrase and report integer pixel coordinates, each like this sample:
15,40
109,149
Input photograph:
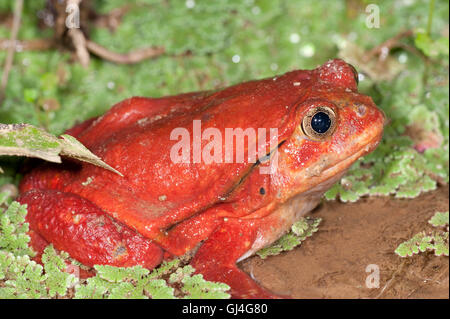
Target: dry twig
78,39
135,56
129,58
79,42
383,49
27,45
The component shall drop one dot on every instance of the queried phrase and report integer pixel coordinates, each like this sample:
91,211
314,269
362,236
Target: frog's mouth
344,164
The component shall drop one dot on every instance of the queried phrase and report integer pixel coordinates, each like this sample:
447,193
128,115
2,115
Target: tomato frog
218,213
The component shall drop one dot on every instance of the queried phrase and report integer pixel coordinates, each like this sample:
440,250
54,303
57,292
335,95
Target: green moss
300,230
435,240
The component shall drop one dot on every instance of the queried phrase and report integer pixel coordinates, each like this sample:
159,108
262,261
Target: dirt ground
332,263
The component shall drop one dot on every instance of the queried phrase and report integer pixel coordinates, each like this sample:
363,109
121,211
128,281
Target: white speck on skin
142,121
294,38
88,181
190,4
236,58
76,219
296,83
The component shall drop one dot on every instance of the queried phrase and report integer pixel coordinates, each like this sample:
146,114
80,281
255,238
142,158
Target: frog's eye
319,123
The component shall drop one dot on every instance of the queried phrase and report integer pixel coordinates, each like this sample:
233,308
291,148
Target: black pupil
320,122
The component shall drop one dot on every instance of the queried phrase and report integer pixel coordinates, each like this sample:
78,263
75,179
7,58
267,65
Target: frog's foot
77,226
216,259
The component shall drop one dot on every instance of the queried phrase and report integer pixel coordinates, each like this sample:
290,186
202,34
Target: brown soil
332,263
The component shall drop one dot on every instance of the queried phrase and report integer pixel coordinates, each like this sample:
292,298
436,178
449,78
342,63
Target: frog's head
335,126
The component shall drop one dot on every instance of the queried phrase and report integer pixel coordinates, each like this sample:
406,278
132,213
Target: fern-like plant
435,241
21,277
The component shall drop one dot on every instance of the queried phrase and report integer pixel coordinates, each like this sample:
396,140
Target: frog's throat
287,214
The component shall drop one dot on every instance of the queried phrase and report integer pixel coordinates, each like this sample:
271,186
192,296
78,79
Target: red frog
215,213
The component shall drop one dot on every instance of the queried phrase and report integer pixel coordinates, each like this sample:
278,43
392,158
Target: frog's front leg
76,225
216,258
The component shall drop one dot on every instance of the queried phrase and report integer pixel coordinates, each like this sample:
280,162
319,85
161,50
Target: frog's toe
216,259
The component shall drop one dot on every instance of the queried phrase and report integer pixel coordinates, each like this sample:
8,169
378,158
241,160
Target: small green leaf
30,141
439,219
410,247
